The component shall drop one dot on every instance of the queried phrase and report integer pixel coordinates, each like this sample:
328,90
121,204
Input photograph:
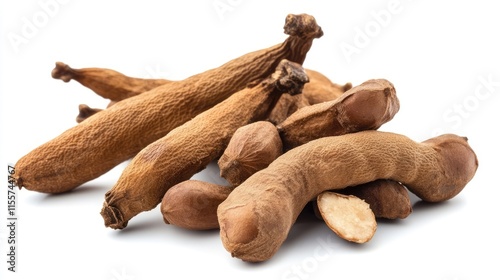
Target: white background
440,57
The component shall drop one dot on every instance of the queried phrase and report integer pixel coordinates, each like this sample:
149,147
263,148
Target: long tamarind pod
96,145
108,83
192,146
257,215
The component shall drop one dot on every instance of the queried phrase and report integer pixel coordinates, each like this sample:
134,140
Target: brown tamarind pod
96,145
363,107
190,147
108,83
257,216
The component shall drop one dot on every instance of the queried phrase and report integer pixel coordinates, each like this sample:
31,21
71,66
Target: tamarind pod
190,147
93,147
364,107
256,217
388,199
192,204
108,83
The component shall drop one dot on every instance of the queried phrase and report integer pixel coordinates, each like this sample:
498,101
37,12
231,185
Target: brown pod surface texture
190,147
256,217
96,145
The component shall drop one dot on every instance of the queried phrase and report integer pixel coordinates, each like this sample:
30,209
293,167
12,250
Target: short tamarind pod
348,216
256,217
364,107
252,148
321,89
108,83
192,204
190,147
388,199
93,147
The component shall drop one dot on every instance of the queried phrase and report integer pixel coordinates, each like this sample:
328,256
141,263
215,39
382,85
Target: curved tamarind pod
93,147
256,217
192,204
190,147
364,107
107,83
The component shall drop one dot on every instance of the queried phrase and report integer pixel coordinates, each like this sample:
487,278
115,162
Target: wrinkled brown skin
388,199
252,148
192,204
93,147
364,107
107,83
190,147
256,217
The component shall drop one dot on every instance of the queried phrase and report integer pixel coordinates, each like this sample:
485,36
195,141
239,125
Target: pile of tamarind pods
283,137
